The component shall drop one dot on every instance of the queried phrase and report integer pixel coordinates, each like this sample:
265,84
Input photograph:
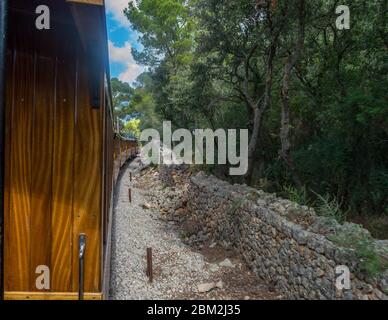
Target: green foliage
165,30
328,206
133,127
207,61
378,226
363,248
370,260
299,196
121,96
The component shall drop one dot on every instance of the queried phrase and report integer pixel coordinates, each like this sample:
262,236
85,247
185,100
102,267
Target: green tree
121,96
313,97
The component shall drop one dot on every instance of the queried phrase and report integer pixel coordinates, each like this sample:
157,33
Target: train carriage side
62,157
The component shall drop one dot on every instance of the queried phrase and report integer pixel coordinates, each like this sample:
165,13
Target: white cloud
123,55
116,8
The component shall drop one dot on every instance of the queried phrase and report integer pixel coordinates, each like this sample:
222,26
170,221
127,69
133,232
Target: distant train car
62,157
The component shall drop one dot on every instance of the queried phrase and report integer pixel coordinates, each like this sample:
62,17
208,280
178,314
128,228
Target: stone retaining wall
282,242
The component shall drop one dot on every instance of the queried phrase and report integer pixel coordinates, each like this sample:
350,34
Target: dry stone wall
282,242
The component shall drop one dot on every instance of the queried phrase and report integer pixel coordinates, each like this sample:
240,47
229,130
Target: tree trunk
257,120
285,151
258,111
285,136
260,107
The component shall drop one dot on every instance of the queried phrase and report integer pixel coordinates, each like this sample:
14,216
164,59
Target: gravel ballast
180,272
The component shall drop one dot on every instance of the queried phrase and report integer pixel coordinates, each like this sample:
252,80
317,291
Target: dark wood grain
63,174
62,160
18,225
11,55
41,164
87,183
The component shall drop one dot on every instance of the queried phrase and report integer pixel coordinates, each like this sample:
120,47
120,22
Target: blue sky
121,39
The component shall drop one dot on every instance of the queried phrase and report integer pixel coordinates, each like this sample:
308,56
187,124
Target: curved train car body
62,157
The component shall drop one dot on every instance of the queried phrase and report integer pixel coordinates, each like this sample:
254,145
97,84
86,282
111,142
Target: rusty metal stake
149,265
130,195
130,176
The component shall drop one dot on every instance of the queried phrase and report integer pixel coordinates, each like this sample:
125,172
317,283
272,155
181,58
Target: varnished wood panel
50,296
41,164
63,174
7,178
18,264
117,163
87,183
50,161
60,162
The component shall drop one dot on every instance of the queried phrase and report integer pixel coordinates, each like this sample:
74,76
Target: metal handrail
81,257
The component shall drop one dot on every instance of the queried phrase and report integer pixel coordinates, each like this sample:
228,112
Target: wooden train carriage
62,157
